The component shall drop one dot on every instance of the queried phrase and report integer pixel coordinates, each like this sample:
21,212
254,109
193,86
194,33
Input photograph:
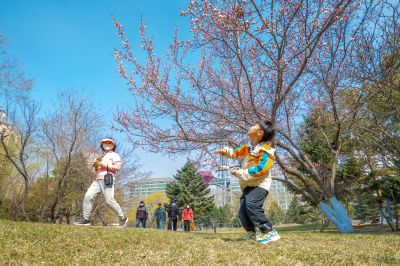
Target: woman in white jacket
108,163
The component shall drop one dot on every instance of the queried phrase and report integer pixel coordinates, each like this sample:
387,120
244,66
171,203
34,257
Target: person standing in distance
173,214
141,215
159,216
187,218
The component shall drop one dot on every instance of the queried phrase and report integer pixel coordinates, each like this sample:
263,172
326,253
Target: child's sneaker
268,237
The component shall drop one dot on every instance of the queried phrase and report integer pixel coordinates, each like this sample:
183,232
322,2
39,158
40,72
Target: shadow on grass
307,228
358,229
375,229
226,239
304,228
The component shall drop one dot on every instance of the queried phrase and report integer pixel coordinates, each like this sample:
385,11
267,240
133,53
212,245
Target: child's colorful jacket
256,164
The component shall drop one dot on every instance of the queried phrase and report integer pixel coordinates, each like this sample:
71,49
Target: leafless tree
16,139
66,130
12,78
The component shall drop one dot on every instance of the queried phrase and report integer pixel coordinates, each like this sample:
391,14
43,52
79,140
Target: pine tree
274,212
293,211
300,212
365,208
189,188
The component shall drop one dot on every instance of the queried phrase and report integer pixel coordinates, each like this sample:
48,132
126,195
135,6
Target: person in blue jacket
160,216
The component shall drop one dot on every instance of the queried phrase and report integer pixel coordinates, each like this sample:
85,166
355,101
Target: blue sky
69,45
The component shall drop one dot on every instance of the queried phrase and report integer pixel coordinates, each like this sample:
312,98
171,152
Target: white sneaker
268,237
83,222
123,222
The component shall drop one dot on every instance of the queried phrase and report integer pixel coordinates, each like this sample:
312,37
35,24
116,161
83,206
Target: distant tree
13,80
190,188
274,213
364,208
71,127
222,216
17,146
293,212
153,200
300,212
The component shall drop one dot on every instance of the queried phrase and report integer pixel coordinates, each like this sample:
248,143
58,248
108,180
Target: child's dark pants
251,211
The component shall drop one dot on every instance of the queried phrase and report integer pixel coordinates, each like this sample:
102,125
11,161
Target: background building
279,192
5,128
3,116
139,190
232,189
224,188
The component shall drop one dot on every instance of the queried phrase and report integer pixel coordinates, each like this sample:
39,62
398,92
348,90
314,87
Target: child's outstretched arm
234,153
265,165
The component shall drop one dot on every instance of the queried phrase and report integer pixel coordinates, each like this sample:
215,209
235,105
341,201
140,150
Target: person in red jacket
187,218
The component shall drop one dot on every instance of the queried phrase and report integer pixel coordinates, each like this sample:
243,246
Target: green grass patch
47,244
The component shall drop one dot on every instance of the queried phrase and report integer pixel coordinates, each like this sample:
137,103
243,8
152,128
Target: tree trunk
389,210
67,217
103,220
58,194
386,218
336,213
25,196
61,215
13,209
396,215
382,209
42,213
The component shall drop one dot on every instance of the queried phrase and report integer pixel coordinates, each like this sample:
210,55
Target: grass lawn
47,244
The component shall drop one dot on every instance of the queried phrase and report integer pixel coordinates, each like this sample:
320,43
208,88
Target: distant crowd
161,214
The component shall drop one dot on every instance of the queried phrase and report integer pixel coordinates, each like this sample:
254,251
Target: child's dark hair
269,130
115,144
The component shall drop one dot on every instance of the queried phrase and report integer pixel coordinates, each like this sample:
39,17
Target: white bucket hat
107,140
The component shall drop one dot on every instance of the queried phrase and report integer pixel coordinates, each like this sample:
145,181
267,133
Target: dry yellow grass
47,244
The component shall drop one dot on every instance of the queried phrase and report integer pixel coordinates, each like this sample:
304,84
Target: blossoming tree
247,61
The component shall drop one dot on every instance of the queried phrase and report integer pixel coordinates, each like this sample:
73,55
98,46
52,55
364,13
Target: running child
255,180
